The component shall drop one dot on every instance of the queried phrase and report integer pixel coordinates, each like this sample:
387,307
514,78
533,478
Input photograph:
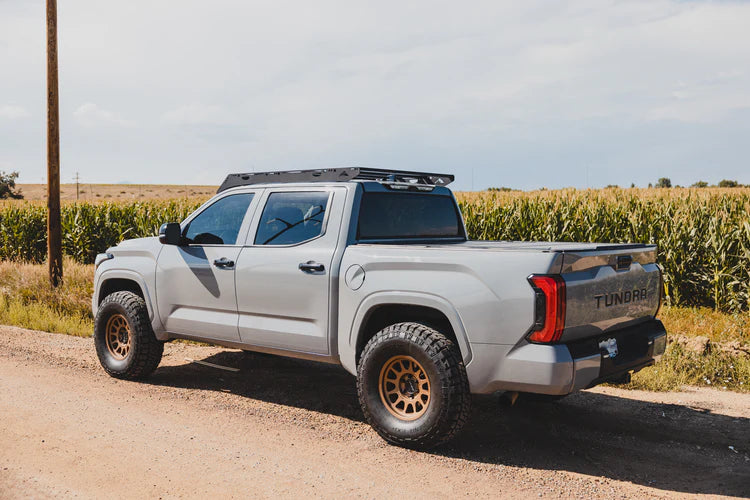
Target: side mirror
170,233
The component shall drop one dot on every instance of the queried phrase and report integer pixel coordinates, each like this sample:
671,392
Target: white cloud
90,115
13,112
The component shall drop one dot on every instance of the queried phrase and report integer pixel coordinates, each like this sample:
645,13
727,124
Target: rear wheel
412,386
125,343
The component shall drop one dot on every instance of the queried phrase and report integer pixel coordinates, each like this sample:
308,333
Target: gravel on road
280,427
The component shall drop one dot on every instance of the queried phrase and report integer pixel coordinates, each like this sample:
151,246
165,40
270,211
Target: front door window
219,224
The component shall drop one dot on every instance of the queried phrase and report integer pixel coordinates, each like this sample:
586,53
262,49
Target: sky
527,94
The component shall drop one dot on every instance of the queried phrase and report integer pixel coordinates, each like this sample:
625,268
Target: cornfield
703,234
87,228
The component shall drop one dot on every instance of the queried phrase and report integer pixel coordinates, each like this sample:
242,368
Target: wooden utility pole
54,233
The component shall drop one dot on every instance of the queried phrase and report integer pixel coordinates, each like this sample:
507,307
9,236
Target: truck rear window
386,216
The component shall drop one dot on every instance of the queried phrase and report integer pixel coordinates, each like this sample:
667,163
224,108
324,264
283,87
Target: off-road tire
450,398
144,352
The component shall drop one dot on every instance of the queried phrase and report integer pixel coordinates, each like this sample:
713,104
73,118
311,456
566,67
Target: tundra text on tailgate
371,269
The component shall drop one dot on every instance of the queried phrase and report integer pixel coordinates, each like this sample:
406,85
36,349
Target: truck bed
543,246
608,286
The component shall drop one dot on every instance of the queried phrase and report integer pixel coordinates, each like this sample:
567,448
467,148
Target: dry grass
28,300
701,321
682,366
145,192
118,192
706,348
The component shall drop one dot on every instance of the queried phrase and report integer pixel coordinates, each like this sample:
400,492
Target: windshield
385,216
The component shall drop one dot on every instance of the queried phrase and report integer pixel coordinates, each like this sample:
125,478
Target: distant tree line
665,182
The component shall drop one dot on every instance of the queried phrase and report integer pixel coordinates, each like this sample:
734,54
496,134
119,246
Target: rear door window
292,217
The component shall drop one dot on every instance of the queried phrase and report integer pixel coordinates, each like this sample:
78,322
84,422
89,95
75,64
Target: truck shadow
671,447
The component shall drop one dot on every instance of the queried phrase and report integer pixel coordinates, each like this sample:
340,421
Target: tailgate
609,288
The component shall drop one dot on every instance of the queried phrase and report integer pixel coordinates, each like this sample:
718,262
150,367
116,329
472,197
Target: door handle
311,267
224,263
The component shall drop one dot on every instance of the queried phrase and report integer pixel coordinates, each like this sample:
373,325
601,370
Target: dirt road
292,428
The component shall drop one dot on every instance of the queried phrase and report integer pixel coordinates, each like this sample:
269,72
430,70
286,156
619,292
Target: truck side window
219,224
292,217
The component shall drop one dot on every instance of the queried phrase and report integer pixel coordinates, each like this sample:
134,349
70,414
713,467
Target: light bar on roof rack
336,175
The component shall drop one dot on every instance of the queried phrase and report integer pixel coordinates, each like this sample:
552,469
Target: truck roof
345,174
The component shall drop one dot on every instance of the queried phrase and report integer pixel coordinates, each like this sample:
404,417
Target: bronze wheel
118,336
404,387
125,342
412,385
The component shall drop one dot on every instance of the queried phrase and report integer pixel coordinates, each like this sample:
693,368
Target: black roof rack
336,175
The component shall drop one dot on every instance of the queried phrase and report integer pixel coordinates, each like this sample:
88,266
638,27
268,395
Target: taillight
549,308
661,290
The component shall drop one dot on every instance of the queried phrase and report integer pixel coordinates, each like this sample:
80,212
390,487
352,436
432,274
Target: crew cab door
195,291
283,272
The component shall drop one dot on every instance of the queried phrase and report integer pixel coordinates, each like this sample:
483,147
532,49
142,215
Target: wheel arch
380,310
117,281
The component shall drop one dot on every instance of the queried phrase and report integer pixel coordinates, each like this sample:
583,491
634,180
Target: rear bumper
564,368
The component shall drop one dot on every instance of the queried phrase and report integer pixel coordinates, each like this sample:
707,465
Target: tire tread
148,349
455,386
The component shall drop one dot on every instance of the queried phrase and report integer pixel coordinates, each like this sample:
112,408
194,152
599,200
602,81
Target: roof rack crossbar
336,175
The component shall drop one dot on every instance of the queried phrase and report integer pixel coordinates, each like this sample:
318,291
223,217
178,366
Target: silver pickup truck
372,269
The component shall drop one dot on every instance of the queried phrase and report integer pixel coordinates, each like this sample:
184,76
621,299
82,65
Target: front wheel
412,386
125,343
